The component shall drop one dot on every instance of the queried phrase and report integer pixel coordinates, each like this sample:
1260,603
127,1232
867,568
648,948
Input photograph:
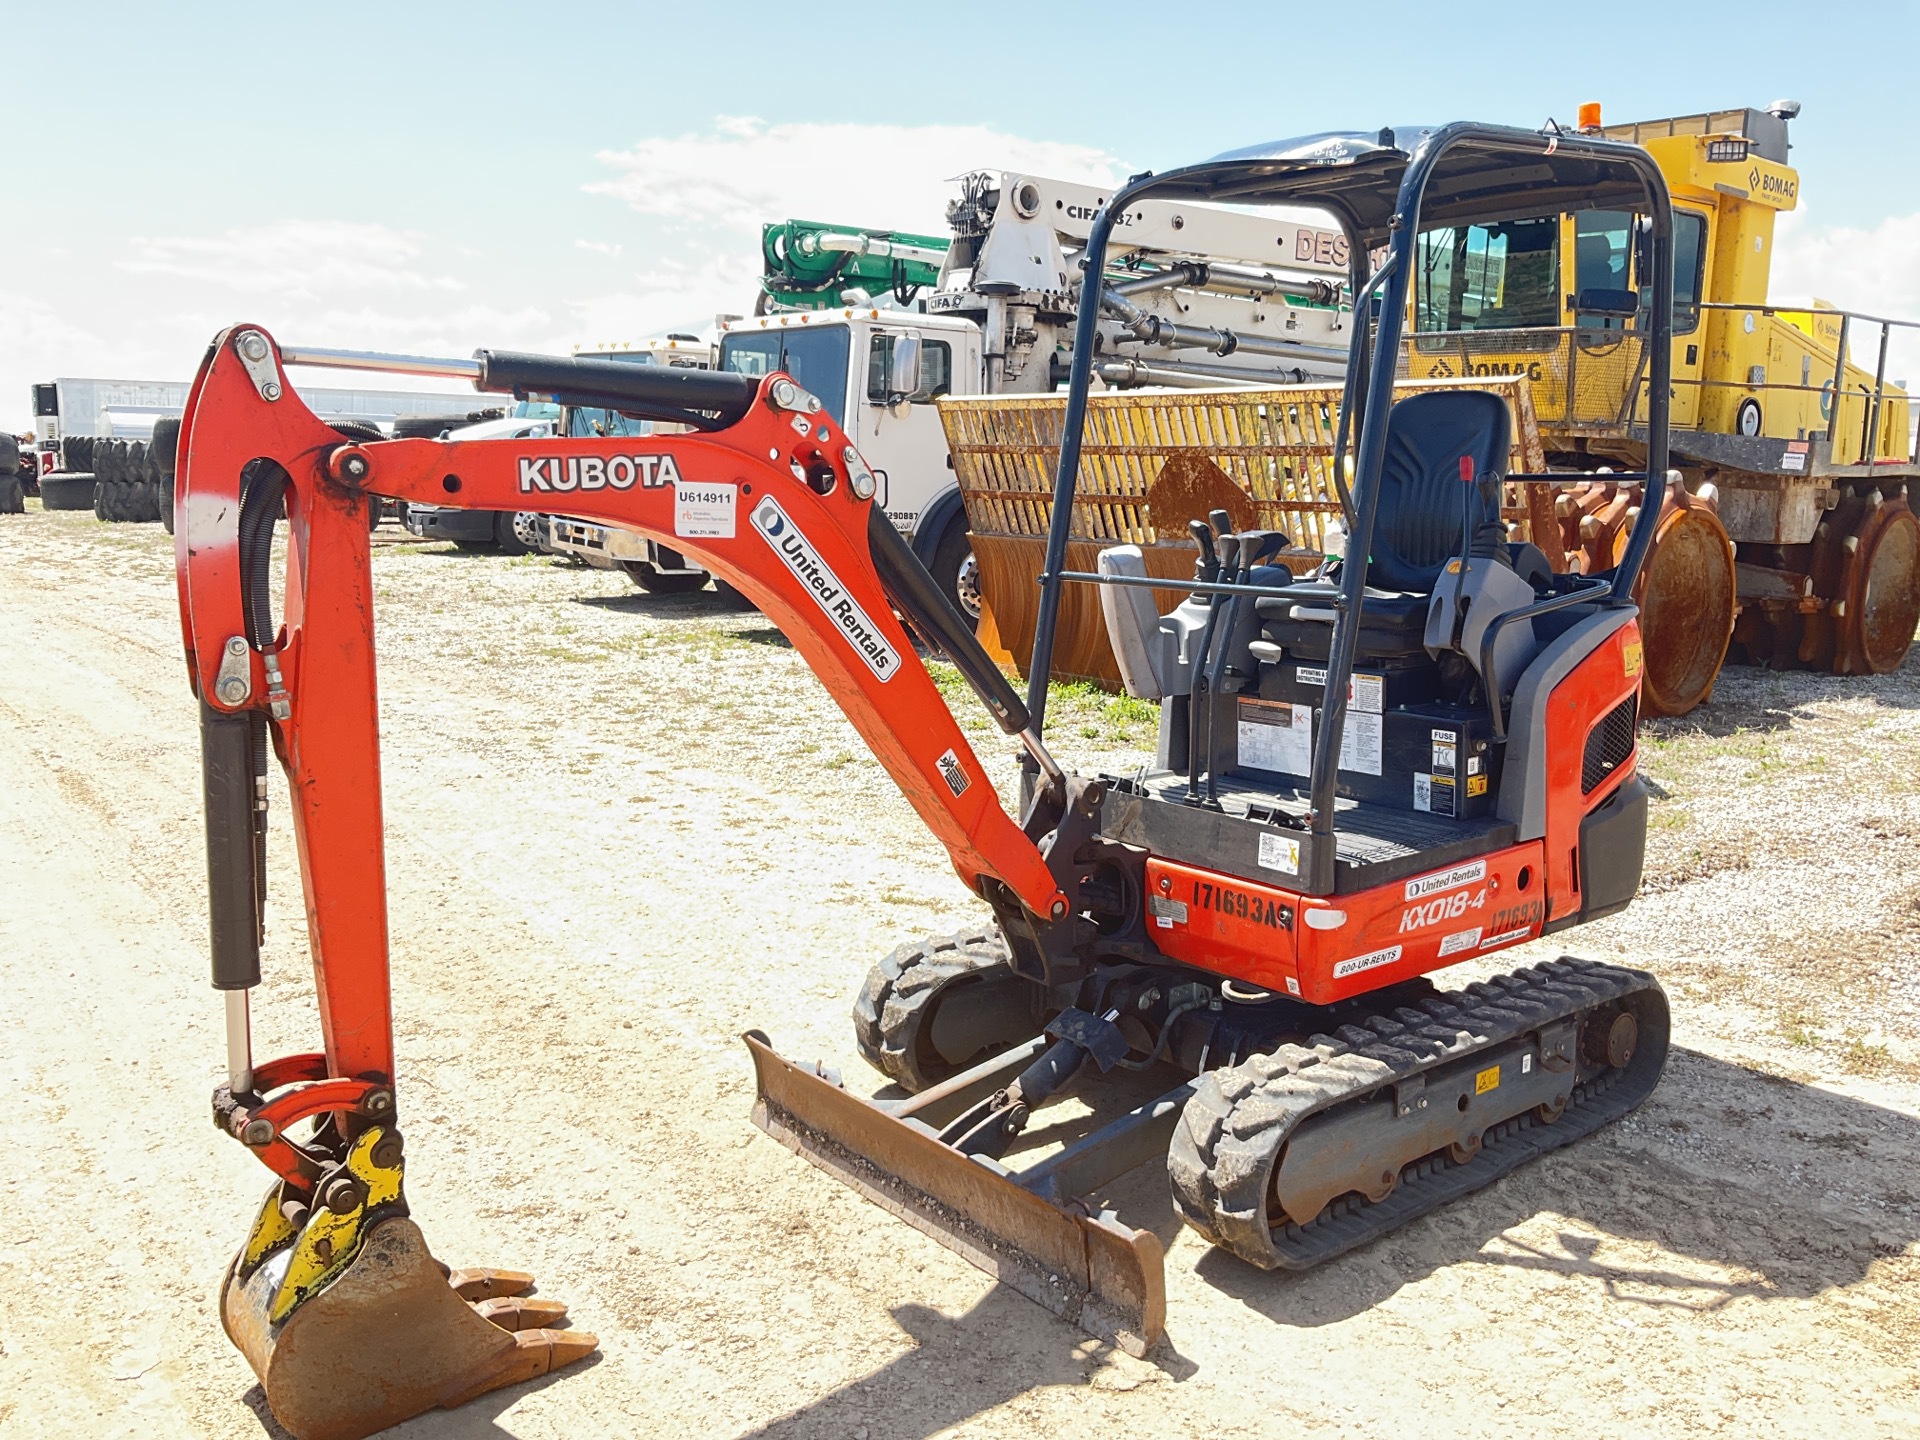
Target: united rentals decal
773,526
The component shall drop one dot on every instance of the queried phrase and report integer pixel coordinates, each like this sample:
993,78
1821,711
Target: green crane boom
809,265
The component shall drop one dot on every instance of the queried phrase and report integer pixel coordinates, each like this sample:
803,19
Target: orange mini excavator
1421,754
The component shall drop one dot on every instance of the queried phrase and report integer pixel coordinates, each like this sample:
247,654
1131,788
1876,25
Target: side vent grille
1610,743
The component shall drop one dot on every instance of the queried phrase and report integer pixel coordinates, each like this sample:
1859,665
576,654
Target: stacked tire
13,494
166,443
67,490
129,481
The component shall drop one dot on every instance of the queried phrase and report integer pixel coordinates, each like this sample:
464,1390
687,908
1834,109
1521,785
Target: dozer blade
391,1335
1104,1277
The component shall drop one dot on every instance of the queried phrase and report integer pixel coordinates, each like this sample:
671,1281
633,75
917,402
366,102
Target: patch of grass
1863,1058
1094,714
1799,1026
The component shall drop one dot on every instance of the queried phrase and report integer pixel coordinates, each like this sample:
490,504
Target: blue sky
444,176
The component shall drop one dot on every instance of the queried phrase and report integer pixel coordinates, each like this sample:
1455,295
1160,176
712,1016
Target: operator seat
1417,528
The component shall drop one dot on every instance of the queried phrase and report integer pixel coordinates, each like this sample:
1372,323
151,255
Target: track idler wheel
1686,589
353,1326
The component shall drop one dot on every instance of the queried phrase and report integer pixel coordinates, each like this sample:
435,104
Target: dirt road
622,830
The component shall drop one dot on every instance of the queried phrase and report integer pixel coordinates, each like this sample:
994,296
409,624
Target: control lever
1466,547
1237,561
1259,546
1207,567
1222,521
1197,694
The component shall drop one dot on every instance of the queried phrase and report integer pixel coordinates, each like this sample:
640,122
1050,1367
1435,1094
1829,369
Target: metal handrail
1807,310
1870,424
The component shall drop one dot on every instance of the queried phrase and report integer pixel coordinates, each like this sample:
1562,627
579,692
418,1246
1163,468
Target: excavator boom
769,495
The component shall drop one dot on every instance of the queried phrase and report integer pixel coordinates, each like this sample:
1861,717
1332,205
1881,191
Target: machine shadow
478,1419
1728,1213
1001,1349
1754,700
664,607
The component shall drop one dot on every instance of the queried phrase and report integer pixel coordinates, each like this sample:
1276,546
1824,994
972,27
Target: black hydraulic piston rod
226,758
708,398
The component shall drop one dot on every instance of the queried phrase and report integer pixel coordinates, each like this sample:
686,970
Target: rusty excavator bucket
1027,1228
353,1326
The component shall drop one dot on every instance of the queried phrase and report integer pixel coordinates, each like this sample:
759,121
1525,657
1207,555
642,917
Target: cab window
815,357
1689,268
1489,277
586,423
936,369
1602,260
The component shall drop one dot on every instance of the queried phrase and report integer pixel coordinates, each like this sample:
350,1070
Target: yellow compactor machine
1790,541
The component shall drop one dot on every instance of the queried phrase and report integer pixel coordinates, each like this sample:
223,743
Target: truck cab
655,568
853,358
1552,297
1793,542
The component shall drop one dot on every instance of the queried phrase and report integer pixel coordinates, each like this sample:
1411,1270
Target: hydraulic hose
263,490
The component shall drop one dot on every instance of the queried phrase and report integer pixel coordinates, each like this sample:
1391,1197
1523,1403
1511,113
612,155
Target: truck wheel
955,570
526,528
13,495
505,538
655,583
730,597
166,503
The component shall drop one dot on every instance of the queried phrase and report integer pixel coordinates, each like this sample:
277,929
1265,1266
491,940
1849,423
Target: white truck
654,567
1193,296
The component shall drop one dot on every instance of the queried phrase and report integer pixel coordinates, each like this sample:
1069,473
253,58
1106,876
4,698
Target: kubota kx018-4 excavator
1418,756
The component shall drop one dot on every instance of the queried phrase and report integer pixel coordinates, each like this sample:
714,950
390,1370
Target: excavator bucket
1087,1268
391,1334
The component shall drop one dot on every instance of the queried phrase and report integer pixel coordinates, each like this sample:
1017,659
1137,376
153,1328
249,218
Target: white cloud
144,304
1874,270
744,172
303,258
673,294
716,188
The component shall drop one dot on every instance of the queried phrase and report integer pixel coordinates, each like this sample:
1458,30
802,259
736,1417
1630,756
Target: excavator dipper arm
345,1316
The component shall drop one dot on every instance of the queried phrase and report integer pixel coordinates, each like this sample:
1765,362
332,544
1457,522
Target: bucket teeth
521,1312
482,1284
535,1353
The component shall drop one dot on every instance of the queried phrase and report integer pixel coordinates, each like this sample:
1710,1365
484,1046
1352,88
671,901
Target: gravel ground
621,830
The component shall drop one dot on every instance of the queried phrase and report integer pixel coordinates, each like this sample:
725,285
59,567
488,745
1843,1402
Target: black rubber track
1222,1156
896,1004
